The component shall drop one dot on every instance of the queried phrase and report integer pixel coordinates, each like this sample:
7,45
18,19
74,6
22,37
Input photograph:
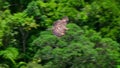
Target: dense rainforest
92,41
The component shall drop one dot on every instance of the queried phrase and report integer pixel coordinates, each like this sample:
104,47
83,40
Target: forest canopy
92,41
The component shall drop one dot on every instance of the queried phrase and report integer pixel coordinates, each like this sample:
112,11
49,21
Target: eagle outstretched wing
59,27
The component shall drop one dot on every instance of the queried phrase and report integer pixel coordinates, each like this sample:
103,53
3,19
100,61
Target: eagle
59,27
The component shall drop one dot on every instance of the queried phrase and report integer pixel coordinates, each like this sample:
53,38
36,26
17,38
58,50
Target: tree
81,47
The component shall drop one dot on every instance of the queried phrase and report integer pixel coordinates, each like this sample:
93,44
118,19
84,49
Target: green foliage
12,25
46,12
4,4
5,29
21,20
10,54
33,65
4,66
103,16
79,48
18,5
91,42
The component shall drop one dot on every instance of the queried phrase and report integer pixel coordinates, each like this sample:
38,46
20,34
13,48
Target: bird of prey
59,27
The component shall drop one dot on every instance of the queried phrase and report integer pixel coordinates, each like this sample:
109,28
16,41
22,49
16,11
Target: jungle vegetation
92,41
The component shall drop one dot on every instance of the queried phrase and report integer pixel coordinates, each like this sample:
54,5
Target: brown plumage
59,27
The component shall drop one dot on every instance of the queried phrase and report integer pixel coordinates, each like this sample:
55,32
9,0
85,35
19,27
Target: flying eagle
59,27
